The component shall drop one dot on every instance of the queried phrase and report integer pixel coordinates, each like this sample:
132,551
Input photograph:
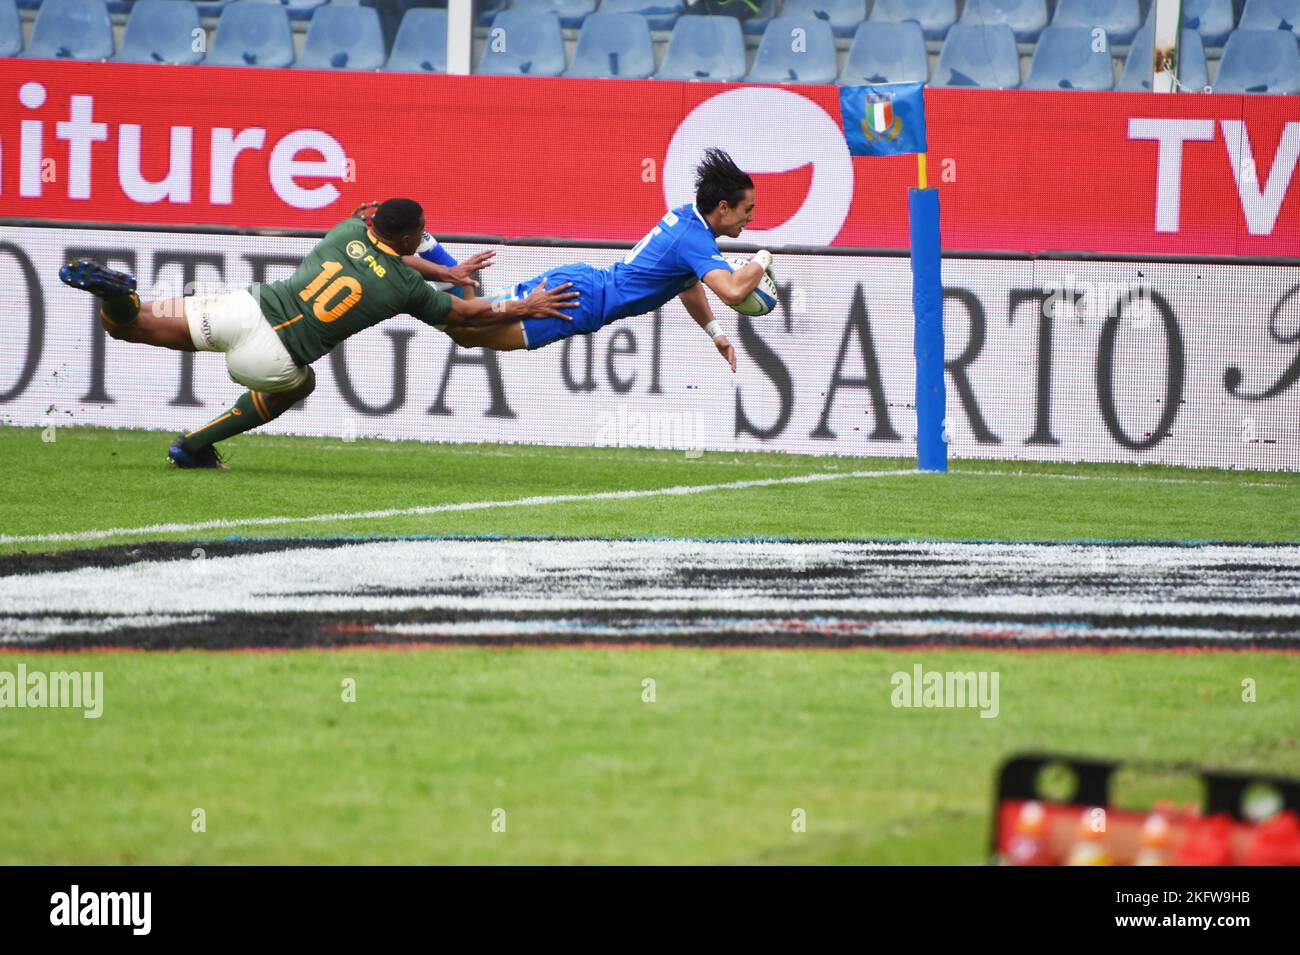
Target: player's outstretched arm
734,287
540,303
697,304
464,274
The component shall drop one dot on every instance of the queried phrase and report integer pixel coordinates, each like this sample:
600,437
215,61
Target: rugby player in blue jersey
679,253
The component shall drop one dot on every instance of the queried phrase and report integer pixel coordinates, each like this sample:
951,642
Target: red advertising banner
601,159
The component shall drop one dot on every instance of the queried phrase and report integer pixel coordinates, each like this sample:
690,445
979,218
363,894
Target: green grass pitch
561,739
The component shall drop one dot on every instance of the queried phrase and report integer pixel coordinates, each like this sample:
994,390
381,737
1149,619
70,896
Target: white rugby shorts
255,357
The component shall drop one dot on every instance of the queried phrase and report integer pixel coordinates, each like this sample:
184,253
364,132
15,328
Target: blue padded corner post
927,305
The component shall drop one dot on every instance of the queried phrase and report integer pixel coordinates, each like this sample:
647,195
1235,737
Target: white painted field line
543,501
1142,479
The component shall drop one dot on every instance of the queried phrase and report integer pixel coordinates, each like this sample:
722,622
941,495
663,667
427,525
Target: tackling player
271,333
679,253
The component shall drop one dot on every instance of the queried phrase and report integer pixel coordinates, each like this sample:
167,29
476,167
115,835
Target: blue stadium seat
343,38
71,30
523,44
705,48
421,43
1025,17
1212,19
614,45
756,21
1119,18
250,33
161,31
120,6
297,9
843,15
11,29
301,9
1065,59
788,56
979,56
1193,72
935,16
485,11
886,53
570,12
1259,61
1271,15
661,14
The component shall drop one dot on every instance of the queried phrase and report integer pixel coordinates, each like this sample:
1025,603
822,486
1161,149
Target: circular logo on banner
803,134
356,249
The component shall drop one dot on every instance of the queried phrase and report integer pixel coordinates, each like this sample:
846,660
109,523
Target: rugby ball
760,301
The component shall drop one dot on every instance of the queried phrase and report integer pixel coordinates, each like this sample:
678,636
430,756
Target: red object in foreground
1275,842
1208,842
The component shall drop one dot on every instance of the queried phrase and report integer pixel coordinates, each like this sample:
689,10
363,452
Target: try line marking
679,490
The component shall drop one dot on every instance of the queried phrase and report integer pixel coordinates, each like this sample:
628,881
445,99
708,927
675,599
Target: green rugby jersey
347,283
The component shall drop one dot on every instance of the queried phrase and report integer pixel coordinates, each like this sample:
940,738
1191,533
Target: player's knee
307,387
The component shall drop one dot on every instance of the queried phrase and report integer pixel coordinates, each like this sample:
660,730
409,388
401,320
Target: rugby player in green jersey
271,333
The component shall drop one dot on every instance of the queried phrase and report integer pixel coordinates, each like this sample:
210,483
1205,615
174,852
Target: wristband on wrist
713,329
763,258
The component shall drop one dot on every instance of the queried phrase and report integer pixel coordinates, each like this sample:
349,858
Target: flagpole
873,126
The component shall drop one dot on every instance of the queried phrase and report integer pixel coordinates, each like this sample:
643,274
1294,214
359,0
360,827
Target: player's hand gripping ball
763,299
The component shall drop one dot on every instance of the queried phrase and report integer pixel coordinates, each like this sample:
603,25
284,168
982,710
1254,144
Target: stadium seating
1193,73
844,16
618,39
1119,18
212,8
300,9
1259,61
71,30
934,16
614,45
485,11
705,48
1212,19
161,31
795,50
886,53
1025,17
343,38
755,22
571,12
421,44
1066,58
250,33
11,30
979,56
523,44
1271,15
660,14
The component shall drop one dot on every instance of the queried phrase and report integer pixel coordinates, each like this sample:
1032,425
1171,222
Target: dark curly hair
397,217
717,178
